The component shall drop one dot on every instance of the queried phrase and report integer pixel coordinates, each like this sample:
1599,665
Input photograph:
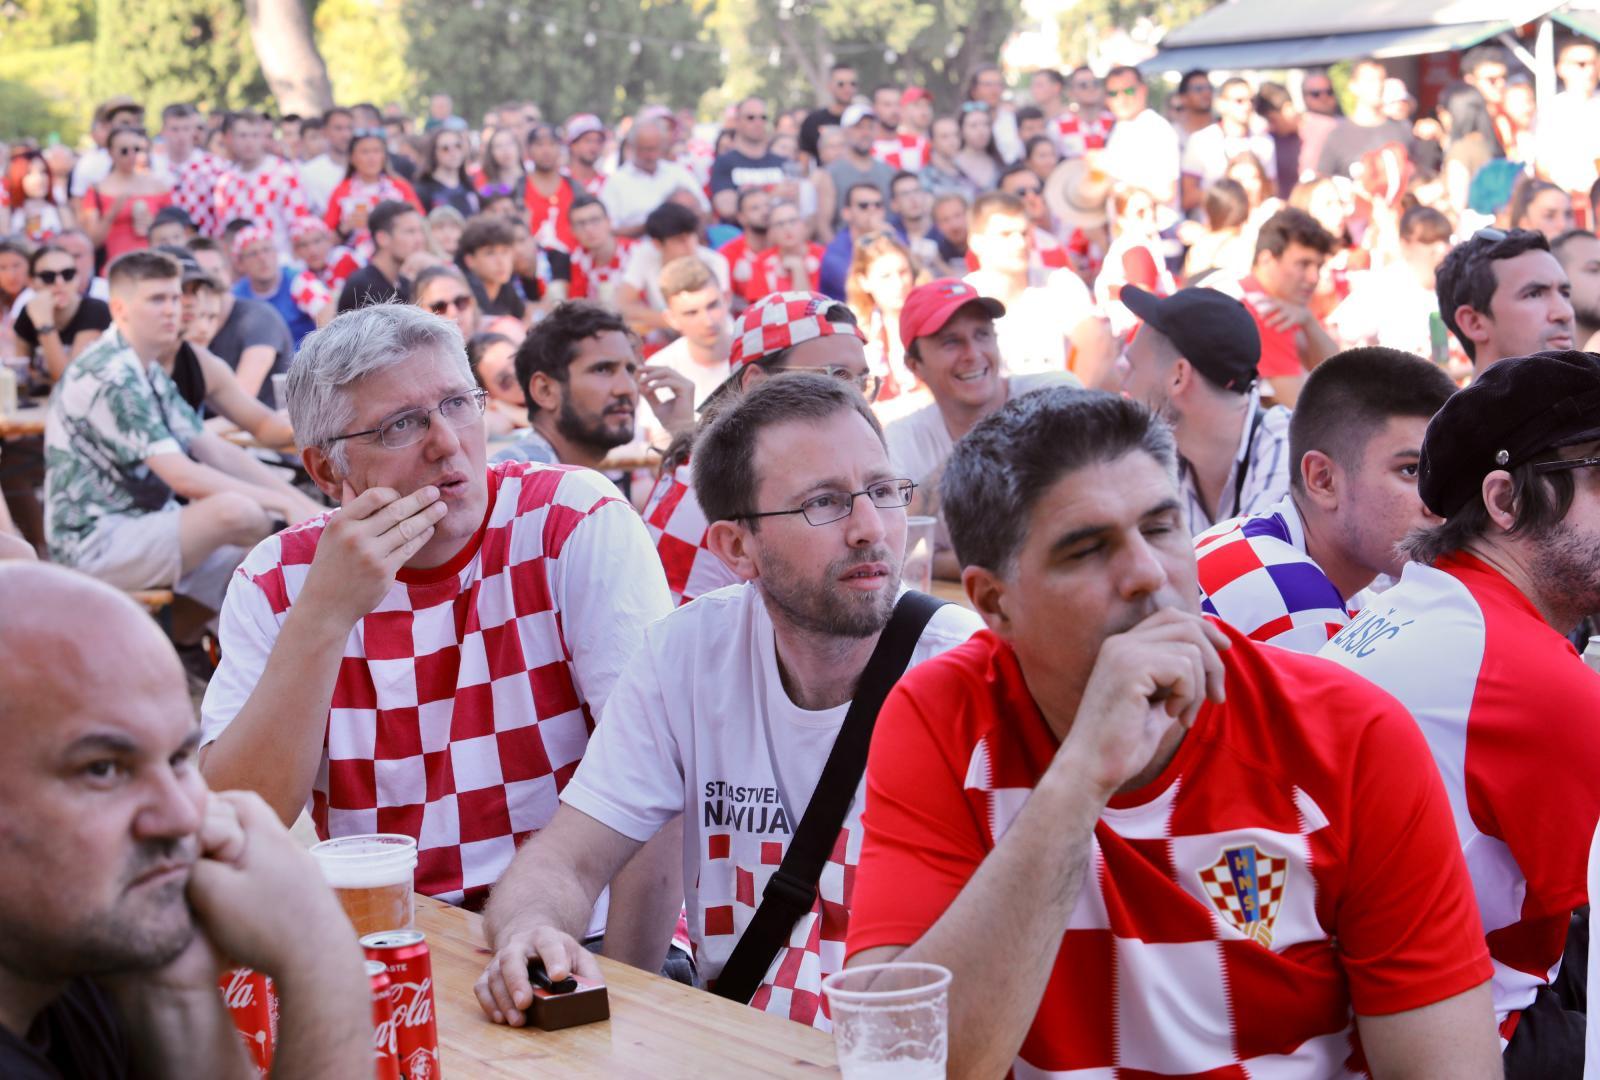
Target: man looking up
1472,642
258,186
1578,251
748,163
1123,865
1286,575
388,607
1290,250
1193,361
122,446
807,511
123,881
842,84
1502,293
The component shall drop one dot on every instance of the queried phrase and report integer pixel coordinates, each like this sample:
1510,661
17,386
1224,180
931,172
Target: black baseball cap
1515,412
173,213
1211,330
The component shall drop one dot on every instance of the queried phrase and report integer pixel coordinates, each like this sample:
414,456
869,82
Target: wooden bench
152,600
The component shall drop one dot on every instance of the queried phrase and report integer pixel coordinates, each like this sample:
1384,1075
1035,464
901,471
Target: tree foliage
162,51
365,44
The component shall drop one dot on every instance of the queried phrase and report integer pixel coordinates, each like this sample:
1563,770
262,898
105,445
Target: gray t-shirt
846,175
253,322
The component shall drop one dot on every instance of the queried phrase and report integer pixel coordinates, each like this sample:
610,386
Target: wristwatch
43,330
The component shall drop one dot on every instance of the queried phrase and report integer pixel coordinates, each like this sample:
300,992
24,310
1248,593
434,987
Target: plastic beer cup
372,877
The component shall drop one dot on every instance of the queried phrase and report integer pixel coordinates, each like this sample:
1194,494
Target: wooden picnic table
658,1029
951,591
28,420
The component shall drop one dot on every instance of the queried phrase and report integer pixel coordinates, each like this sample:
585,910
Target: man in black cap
1193,360
1471,642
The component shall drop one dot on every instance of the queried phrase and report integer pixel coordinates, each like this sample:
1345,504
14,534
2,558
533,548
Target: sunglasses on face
50,277
130,151
1127,91
1318,93
463,302
754,116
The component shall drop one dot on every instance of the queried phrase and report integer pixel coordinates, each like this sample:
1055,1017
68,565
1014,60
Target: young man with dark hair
1290,250
1396,305
1578,251
398,232
257,186
1194,106
673,231
1275,105
251,337
842,85
598,259
862,213
486,253
323,173
1287,575
1503,293
1143,149
547,195
904,145
1485,68
1195,361
1124,866
1472,642
1238,130
752,212
911,215
808,513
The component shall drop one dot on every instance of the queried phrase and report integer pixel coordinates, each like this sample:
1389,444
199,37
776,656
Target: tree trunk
281,30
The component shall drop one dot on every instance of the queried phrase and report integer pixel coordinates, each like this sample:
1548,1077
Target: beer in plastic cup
280,383
917,571
890,1020
372,877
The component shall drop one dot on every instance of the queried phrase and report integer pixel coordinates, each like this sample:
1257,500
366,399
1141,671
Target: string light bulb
589,39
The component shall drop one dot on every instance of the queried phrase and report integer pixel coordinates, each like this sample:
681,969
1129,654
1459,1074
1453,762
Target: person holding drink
119,210
125,886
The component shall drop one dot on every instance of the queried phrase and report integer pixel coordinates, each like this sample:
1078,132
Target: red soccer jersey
769,275
1073,135
270,196
741,262
905,151
547,217
1293,862
1280,349
1509,711
592,282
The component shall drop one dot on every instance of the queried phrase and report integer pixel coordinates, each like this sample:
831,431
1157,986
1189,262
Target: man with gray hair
429,658
647,179
1125,828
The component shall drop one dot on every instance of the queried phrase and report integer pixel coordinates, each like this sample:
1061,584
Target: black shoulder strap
791,891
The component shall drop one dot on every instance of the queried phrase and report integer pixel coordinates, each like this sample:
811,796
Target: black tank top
186,374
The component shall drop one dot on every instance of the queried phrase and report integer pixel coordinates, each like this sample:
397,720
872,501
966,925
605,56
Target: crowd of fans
623,423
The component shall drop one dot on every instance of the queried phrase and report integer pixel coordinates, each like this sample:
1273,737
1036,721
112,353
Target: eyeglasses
831,506
867,205
1126,91
50,277
868,383
411,427
1563,466
463,302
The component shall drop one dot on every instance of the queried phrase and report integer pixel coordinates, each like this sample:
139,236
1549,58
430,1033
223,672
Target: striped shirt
1258,477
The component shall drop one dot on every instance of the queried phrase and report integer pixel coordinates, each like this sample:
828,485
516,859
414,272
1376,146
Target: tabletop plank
28,420
658,1029
951,591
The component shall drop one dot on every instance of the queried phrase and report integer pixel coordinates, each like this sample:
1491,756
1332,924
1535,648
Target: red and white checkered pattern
678,527
355,194
309,293
1073,136
792,986
590,282
250,234
1320,778
769,275
1250,916
741,262
781,320
457,717
269,195
547,217
195,189
906,151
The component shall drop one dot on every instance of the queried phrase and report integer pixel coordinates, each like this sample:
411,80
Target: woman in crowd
59,321
367,182
1250,174
118,211
443,181
30,190
1541,206
942,176
443,290
444,230
1041,157
882,274
1135,256
500,172
493,360
978,160
1221,243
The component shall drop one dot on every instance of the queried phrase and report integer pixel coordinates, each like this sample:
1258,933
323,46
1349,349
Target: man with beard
1472,642
1502,293
1578,251
727,714
1128,830
1193,360
124,883
582,378
586,141
1287,574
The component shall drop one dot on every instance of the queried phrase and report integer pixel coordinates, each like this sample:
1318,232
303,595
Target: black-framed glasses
463,302
868,383
1563,466
410,427
50,277
829,506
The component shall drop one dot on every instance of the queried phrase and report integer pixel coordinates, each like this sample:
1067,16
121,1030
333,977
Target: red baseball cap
915,93
930,306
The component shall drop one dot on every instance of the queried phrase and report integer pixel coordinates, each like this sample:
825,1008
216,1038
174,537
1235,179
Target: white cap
855,114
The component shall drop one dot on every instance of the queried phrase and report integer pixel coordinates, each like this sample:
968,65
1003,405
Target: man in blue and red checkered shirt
1287,574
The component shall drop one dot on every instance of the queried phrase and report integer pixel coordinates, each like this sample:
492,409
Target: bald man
124,882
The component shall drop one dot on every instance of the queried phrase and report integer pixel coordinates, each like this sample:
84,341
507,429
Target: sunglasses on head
50,277
463,302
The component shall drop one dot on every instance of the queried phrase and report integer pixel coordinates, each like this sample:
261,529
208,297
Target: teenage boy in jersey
1287,575
1143,843
1472,642
727,713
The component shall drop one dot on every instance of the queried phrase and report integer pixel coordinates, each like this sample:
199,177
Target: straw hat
1077,195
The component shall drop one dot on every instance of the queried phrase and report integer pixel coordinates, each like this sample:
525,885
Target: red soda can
404,954
254,1005
385,1063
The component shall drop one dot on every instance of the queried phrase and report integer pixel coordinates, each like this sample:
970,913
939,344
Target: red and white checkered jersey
1508,709
1073,135
678,528
1255,576
768,275
194,190
547,217
269,195
466,698
700,725
591,282
907,151
1293,864
594,185
741,262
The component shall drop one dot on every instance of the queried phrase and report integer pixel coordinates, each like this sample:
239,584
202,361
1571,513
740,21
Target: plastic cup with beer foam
890,1020
372,877
280,390
917,570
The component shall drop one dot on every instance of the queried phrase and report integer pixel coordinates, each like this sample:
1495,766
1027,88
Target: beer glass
890,1020
917,570
371,875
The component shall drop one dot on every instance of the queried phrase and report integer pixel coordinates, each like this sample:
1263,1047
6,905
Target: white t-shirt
1143,153
1034,332
319,177
1388,307
699,724
631,193
643,271
1208,151
920,443
706,379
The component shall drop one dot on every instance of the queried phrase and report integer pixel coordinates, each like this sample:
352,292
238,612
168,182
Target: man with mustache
721,723
429,658
1142,842
125,886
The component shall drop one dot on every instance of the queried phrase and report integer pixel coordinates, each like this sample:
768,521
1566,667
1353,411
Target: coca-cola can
385,1060
404,954
254,1005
